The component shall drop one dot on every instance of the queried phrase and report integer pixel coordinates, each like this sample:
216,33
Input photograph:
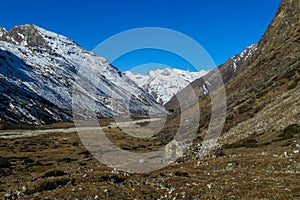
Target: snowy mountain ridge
163,84
39,70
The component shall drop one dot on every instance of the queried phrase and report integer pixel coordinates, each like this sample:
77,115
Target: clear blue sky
222,27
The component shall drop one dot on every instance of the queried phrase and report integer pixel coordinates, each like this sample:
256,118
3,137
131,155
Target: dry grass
58,166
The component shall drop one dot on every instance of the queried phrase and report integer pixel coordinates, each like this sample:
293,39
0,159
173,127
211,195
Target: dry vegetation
57,166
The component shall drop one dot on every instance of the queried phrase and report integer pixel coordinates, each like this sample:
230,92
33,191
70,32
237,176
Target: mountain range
163,84
40,70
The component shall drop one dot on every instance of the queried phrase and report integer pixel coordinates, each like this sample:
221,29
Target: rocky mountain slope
39,70
162,84
228,70
263,98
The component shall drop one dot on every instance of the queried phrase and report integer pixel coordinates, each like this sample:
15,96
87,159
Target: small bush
54,173
293,85
4,162
290,131
112,178
267,143
85,153
248,143
28,161
244,108
75,144
50,185
67,160
181,173
289,74
142,124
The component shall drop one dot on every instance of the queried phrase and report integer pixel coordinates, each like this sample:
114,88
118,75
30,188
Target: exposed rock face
2,31
27,35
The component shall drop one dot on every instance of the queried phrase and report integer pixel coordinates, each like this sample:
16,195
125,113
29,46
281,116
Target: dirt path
7,134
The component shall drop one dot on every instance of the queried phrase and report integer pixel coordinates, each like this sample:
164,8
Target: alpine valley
248,150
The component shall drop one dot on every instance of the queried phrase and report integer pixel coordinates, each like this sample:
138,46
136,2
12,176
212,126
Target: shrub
28,161
244,108
4,162
67,160
49,185
267,143
290,131
248,143
85,153
54,173
293,85
181,173
112,178
142,124
289,74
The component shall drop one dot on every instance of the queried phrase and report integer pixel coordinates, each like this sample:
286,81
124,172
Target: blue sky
223,28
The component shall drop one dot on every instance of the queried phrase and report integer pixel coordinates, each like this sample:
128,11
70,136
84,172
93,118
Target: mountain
40,71
162,84
264,98
231,68
263,93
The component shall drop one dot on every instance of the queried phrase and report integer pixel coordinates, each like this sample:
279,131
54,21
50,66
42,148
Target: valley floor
57,166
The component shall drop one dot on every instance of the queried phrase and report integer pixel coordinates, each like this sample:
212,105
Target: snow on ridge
163,84
244,55
52,69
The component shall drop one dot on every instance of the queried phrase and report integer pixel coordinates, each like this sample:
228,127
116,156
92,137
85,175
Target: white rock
24,188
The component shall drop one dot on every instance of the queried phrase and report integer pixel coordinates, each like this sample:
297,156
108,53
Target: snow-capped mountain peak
42,68
162,84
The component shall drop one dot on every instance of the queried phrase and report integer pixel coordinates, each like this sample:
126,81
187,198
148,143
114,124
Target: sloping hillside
263,98
41,72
